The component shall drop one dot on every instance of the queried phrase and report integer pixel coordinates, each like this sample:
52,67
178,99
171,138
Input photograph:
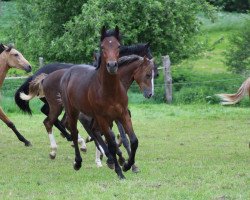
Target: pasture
185,152
196,151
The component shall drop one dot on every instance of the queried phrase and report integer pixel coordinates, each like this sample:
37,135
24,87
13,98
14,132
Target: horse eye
16,55
148,76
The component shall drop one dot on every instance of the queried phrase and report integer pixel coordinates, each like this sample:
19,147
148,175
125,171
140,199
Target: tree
62,33
238,55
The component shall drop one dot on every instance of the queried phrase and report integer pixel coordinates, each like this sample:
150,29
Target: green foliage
197,87
69,30
238,55
232,5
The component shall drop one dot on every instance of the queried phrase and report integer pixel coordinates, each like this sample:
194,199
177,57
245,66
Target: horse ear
117,32
9,49
2,48
152,60
145,59
147,44
103,33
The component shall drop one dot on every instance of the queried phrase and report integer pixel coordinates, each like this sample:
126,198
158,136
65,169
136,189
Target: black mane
137,49
125,60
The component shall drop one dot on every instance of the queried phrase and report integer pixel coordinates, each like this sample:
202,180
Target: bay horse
11,58
229,99
101,95
138,49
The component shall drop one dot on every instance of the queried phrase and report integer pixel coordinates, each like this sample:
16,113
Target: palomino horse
101,95
130,68
229,99
10,57
138,49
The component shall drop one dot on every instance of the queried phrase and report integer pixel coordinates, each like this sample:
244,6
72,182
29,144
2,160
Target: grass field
185,152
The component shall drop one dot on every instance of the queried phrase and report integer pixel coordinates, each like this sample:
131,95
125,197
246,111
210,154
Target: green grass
185,152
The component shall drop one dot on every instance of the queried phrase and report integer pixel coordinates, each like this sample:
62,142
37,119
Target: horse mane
125,60
137,49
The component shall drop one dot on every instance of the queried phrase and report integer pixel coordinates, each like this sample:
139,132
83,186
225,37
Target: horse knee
134,142
48,125
10,124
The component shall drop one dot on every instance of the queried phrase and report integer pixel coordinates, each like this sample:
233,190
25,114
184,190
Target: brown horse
229,99
10,57
101,95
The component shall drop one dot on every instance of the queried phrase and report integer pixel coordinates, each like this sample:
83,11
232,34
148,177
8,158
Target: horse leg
94,134
98,157
112,146
48,125
10,124
127,124
124,138
118,151
72,120
45,110
54,111
125,143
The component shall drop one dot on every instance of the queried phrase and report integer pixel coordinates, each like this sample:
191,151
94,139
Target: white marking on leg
82,143
152,82
98,158
102,151
53,144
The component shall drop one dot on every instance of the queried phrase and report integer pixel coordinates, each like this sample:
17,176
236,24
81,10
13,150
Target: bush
238,55
232,5
69,30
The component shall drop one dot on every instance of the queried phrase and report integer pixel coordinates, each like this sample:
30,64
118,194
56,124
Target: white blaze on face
152,82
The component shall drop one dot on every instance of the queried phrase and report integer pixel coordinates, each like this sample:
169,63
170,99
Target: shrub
238,55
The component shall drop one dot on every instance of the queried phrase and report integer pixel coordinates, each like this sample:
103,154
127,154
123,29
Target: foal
10,57
101,95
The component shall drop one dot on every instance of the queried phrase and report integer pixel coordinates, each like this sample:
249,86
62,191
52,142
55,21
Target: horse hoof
63,136
98,164
77,166
52,156
121,177
27,144
121,161
135,169
111,166
125,167
84,150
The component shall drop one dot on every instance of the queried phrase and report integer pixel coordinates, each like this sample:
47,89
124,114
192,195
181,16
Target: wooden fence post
41,62
167,78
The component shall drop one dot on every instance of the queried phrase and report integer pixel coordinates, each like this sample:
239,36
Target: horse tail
228,99
23,105
35,88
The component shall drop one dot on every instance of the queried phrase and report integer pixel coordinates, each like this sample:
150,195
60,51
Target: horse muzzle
27,68
147,93
112,67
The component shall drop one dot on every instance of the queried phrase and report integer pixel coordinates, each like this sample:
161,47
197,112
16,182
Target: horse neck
127,73
110,83
3,68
